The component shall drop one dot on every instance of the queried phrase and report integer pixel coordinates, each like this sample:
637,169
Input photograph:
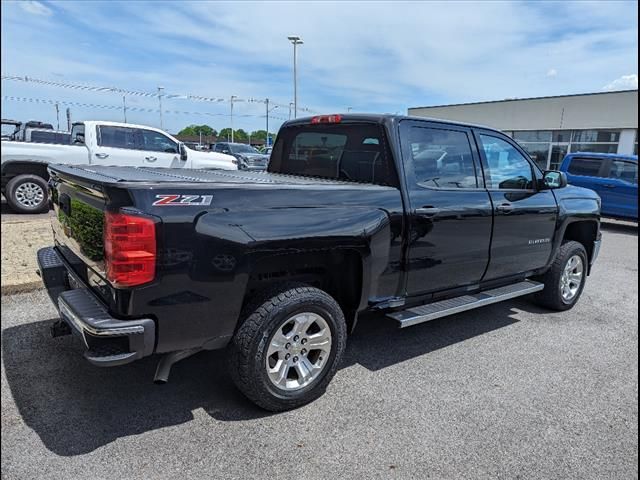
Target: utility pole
58,115
160,89
267,111
233,97
295,40
124,108
68,119
290,105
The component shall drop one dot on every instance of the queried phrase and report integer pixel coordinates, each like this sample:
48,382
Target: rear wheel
27,194
289,347
564,281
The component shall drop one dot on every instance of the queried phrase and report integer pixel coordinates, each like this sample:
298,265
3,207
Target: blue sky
363,56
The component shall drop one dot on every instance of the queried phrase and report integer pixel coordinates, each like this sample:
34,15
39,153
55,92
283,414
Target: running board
442,308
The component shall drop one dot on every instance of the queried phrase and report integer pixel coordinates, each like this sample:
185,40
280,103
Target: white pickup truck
24,164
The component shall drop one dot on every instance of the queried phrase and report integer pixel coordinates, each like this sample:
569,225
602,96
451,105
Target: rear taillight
129,249
326,119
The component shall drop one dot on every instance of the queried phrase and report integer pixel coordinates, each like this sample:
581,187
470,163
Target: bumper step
443,308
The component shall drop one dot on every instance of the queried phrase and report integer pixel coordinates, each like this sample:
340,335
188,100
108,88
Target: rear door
620,192
450,212
524,217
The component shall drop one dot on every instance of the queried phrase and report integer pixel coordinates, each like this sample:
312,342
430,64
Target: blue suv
613,177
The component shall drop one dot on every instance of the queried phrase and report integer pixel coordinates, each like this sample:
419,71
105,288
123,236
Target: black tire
18,206
263,317
551,297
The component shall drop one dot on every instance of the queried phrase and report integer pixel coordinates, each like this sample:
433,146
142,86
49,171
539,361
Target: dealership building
550,127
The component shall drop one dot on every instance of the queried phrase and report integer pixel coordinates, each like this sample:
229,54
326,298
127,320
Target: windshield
243,149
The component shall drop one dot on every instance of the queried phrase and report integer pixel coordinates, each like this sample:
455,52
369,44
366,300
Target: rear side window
49,137
442,158
586,167
77,134
117,137
352,152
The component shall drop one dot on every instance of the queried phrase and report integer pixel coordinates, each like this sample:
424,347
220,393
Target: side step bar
442,308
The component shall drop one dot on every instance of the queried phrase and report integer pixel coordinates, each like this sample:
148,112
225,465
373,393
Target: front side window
586,167
507,167
243,149
157,142
442,158
118,137
220,147
77,134
626,171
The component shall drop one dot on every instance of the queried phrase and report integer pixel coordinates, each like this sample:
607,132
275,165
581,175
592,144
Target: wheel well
339,273
583,232
13,169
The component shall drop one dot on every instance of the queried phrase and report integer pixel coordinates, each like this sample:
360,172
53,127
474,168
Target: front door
449,212
117,146
524,216
160,150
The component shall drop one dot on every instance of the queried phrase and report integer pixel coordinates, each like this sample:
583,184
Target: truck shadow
619,227
76,408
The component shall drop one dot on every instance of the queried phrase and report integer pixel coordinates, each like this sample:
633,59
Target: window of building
595,147
586,167
507,167
442,158
635,145
533,136
561,136
539,152
596,136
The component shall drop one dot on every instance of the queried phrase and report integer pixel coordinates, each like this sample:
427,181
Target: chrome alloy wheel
571,278
29,194
298,351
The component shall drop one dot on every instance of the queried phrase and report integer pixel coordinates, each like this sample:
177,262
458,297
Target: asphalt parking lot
508,391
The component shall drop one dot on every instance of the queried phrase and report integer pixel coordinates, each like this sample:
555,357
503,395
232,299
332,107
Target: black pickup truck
356,215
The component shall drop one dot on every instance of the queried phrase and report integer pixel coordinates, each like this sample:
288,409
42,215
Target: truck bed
132,177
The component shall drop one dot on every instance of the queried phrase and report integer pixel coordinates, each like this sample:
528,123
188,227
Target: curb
12,289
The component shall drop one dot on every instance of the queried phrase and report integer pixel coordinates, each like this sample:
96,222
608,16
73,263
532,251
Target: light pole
58,115
267,111
295,40
348,109
160,89
124,108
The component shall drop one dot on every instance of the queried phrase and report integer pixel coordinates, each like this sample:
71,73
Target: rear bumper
109,341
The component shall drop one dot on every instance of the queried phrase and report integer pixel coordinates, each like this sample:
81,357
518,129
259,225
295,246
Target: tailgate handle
150,159
102,155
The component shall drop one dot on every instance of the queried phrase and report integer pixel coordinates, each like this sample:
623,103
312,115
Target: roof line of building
521,99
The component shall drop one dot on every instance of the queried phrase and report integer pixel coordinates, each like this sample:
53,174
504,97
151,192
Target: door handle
102,155
427,211
150,159
505,208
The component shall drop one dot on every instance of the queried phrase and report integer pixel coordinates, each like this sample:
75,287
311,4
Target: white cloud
625,82
35,8
552,72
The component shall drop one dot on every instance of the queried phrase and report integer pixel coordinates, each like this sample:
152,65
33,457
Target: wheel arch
23,167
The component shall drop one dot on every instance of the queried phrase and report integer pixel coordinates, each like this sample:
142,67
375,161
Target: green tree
195,130
238,135
259,135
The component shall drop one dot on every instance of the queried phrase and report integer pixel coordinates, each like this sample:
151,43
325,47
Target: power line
138,93
128,108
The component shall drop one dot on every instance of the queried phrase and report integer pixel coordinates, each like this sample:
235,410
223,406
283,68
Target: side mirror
183,152
554,179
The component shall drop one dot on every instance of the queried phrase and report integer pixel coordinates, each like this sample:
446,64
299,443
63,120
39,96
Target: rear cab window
349,152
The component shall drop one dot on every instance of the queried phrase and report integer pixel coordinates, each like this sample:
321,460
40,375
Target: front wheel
564,281
289,347
27,194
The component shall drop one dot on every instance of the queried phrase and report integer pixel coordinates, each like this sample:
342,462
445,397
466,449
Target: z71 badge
171,200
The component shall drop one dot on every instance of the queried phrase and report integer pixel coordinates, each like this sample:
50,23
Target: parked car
24,165
613,177
277,267
247,156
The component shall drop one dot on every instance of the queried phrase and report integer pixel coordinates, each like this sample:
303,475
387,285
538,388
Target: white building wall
616,110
